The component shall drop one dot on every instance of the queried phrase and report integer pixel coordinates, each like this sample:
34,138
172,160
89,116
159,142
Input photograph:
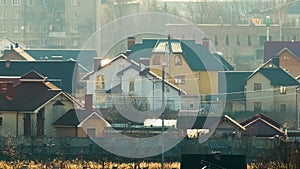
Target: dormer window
283,89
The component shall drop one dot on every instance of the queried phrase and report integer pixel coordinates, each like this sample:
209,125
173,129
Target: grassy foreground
80,164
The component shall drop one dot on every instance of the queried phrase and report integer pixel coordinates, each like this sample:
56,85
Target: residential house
120,81
271,89
287,53
186,64
60,73
30,107
80,123
233,89
219,126
261,125
16,53
6,43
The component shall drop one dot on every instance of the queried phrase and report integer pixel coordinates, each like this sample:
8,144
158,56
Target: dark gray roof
73,117
27,96
272,48
61,72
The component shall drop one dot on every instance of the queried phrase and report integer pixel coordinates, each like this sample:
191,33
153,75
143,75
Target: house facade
30,107
121,81
186,64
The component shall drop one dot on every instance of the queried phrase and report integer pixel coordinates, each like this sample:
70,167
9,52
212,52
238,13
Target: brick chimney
130,42
205,42
9,91
97,63
88,103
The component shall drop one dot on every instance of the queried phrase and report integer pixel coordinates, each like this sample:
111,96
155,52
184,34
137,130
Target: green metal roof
197,56
278,77
235,82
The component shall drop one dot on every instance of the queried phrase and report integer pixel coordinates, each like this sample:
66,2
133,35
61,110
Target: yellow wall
202,82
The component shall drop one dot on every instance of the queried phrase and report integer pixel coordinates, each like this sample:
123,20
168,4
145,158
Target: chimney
205,42
130,42
9,91
88,103
16,45
97,63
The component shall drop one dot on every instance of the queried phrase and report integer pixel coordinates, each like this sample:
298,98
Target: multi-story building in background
48,24
242,45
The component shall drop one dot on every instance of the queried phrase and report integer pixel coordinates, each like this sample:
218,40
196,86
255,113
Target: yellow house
190,66
30,107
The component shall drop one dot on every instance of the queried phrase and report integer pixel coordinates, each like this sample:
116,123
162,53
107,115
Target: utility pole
162,117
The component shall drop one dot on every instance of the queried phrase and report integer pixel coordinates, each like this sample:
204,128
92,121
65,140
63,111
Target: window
58,42
1,121
282,89
91,132
100,85
75,15
259,54
263,39
3,15
131,85
29,2
74,2
16,29
257,86
2,2
100,99
42,42
257,106
170,104
178,60
74,42
29,28
227,40
2,28
216,40
16,2
191,106
74,28
249,40
282,108
16,15
180,79
156,60
238,43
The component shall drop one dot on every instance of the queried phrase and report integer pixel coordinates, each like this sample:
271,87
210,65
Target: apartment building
48,24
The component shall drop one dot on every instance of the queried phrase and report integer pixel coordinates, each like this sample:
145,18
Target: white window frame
2,28
74,2
3,2
3,15
16,2
16,15
16,29
74,28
